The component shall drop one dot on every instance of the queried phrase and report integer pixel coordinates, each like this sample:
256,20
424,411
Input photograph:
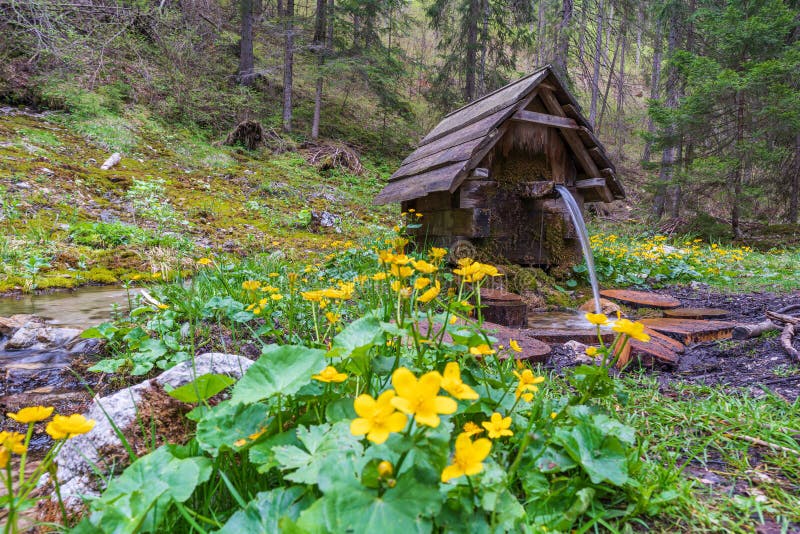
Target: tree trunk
561,58
598,52
582,35
484,45
794,200
621,95
639,28
655,82
540,30
736,176
668,156
246,58
472,50
319,45
288,65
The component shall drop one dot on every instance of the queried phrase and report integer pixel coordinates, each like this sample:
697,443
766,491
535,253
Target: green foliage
114,234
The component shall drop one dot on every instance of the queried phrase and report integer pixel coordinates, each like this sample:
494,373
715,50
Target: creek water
81,308
583,237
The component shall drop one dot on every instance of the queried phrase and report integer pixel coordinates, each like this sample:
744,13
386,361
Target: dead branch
748,331
760,442
786,341
783,318
330,156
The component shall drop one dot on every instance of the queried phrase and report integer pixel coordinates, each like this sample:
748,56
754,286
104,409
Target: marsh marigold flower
421,283
378,418
471,429
451,383
598,319
430,294
468,458
330,374
12,441
591,351
632,329
205,261
420,397
498,426
385,469
251,285
69,426
481,350
514,345
424,267
31,414
438,253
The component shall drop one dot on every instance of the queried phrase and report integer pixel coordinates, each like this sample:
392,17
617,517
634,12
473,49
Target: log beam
570,136
544,119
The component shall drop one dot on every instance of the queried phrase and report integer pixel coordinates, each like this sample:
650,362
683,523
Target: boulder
36,334
81,457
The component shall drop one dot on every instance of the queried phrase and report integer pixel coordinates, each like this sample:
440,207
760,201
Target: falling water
583,236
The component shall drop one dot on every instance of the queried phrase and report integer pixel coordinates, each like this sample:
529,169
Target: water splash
583,236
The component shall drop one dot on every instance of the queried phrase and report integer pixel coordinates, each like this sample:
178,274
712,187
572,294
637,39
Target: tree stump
504,308
249,134
696,313
642,299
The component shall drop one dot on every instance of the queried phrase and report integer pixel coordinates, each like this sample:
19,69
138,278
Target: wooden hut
485,175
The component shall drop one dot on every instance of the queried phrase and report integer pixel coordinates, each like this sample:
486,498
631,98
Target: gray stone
80,456
35,334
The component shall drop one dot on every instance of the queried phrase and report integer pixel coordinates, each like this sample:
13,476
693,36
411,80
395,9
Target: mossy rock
100,275
58,281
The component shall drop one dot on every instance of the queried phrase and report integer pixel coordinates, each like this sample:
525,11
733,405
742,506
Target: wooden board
641,298
420,185
499,295
544,119
672,344
476,193
485,106
690,331
573,140
456,222
594,190
697,313
460,152
646,352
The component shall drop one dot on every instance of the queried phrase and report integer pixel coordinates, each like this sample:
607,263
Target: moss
59,281
100,275
524,280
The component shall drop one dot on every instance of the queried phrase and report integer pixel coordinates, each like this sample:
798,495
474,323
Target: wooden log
748,331
643,299
783,318
503,308
112,160
544,119
689,331
476,193
654,350
595,190
696,313
457,222
786,340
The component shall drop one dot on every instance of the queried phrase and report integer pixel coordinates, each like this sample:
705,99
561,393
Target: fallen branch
783,318
762,443
747,331
786,341
115,158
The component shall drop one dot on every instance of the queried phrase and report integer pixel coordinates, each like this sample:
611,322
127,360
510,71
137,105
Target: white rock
79,457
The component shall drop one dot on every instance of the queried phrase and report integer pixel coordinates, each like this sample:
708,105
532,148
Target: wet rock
9,325
36,334
80,457
606,306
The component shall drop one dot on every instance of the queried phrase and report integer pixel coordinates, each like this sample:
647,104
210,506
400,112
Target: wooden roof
446,156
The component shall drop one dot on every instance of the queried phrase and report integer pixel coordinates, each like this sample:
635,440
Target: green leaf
325,445
109,365
603,458
357,337
101,331
202,388
229,422
264,513
280,371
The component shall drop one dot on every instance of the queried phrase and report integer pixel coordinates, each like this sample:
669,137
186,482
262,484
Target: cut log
654,350
657,337
747,331
504,308
624,353
782,318
112,160
696,313
689,331
642,299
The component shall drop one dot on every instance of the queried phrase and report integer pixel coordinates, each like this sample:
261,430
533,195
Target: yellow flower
312,296
379,276
205,261
156,275
251,285
12,442
385,469
468,458
634,330
31,414
330,374
597,318
162,306
401,271
332,317
514,345
591,351
424,267
498,426
481,350
421,283
240,442
527,383
5,455
276,296
421,397
471,429
378,418
68,427
553,415
451,383
431,293
438,253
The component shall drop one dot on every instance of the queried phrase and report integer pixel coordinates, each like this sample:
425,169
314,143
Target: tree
323,35
288,64
246,58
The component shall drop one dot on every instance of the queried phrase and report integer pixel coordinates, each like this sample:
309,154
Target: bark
472,50
598,52
639,28
246,57
540,29
582,35
319,44
735,180
562,46
655,82
668,156
794,199
484,44
621,95
288,65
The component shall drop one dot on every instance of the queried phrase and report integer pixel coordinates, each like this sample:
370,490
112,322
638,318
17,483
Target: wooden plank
641,298
420,185
467,133
485,106
544,119
488,143
456,222
533,189
690,331
673,344
594,190
590,140
613,183
572,112
571,137
654,350
460,152
438,201
697,313
476,193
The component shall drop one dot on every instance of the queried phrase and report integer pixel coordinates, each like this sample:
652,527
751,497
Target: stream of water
81,308
583,237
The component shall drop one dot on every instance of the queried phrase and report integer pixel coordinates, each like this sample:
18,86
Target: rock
112,160
108,216
578,352
575,347
9,325
36,334
606,306
80,457
22,185
324,219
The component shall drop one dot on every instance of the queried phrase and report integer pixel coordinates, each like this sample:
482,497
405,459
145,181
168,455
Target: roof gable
446,155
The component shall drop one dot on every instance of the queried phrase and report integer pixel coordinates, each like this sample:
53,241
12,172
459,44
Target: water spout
583,236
